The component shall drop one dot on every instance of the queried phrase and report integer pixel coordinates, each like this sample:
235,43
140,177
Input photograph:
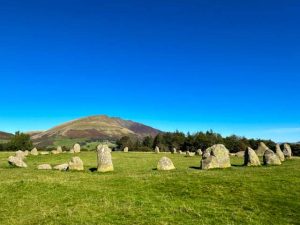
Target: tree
19,141
124,142
148,142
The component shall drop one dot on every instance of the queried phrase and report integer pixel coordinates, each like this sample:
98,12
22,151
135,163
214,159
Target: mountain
94,128
5,136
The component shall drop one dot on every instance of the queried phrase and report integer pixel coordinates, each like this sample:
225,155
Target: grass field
135,193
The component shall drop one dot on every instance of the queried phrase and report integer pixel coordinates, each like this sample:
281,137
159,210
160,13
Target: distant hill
94,128
5,136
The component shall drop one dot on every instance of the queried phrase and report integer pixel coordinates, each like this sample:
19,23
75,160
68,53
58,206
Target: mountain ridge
98,127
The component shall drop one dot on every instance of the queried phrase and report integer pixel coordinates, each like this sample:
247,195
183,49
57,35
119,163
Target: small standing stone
59,149
126,149
174,151
44,167
157,150
76,164
20,154
165,164
250,158
62,167
190,154
199,152
44,153
287,151
17,162
34,152
240,154
279,153
77,148
270,158
105,163
55,152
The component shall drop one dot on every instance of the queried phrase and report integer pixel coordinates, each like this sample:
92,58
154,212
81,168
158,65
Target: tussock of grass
135,193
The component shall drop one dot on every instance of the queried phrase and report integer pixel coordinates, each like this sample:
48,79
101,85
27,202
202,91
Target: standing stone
72,151
26,153
240,154
17,162
190,154
174,151
270,158
34,152
126,150
279,153
157,150
250,158
216,156
199,152
287,151
180,152
20,154
76,164
44,167
44,153
59,149
261,149
165,164
55,152
76,148
105,163
62,167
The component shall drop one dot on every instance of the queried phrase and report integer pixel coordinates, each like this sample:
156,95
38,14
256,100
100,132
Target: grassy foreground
135,193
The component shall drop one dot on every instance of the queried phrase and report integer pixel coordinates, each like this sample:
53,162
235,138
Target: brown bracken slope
96,128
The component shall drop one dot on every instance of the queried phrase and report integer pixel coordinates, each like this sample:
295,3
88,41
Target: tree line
192,142
19,141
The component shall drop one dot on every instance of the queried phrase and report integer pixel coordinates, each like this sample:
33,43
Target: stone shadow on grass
195,167
93,170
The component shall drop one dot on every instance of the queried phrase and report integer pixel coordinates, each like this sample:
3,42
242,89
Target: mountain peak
97,127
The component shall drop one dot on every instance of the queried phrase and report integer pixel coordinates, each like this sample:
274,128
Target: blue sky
230,66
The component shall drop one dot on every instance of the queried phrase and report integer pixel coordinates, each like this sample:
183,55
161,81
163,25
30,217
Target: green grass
135,193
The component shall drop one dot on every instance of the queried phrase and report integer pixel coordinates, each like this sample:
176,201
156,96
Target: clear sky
192,65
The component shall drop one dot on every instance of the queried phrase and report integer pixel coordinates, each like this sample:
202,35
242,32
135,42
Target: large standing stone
157,149
44,167
126,150
261,149
20,154
34,152
165,164
216,156
250,158
76,164
62,167
270,158
105,163
287,151
17,162
279,153
76,148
